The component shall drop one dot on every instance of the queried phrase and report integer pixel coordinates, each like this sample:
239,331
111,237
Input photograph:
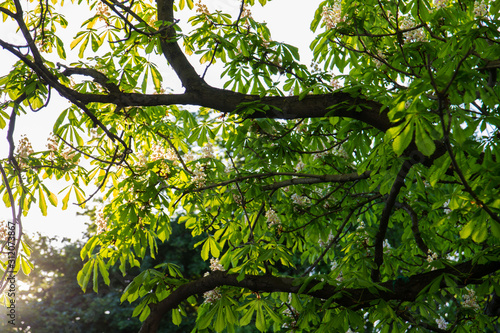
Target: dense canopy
359,193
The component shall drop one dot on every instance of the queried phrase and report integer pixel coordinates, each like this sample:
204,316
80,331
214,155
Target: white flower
199,175
212,296
431,256
24,150
100,220
328,241
68,154
332,15
157,153
207,151
3,230
469,300
441,323
300,200
480,9
415,35
441,3
335,84
215,265
52,145
272,218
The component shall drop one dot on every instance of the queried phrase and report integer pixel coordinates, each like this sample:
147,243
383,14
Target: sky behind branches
288,21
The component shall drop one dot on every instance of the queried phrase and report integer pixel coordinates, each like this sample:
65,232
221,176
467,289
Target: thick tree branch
173,53
319,179
404,290
386,214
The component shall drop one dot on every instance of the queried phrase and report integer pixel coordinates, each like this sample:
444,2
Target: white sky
288,21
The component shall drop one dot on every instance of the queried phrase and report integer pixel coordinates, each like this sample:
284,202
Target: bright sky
288,21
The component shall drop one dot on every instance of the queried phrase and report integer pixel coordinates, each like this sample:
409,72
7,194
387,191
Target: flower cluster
199,176
469,300
102,12
480,9
332,15
69,154
320,155
3,230
431,256
52,145
440,4
215,265
300,200
212,296
100,221
24,150
272,218
158,153
441,323
378,59
207,151
414,35
335,84
201,8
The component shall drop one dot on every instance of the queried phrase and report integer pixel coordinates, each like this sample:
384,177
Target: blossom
212,296
332,15
292,314
52,145
480,9
431,256
378,60
207,151
202,8
440,4
100,220
69,154
215,265
335,84
300,200
24,150
441,323
328,241
414,35
158,153
272,218
469,300
199,175
3,230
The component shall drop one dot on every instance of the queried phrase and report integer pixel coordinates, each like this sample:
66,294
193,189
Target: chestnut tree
359,193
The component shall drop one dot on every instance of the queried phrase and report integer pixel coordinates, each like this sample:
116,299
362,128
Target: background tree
52,301
359,201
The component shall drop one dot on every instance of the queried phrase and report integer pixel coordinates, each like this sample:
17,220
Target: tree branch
386,214
356,298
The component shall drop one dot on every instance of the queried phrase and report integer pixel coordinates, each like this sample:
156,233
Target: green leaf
403,139
176,317
480,233
41,202
424,143
495,229
467,229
